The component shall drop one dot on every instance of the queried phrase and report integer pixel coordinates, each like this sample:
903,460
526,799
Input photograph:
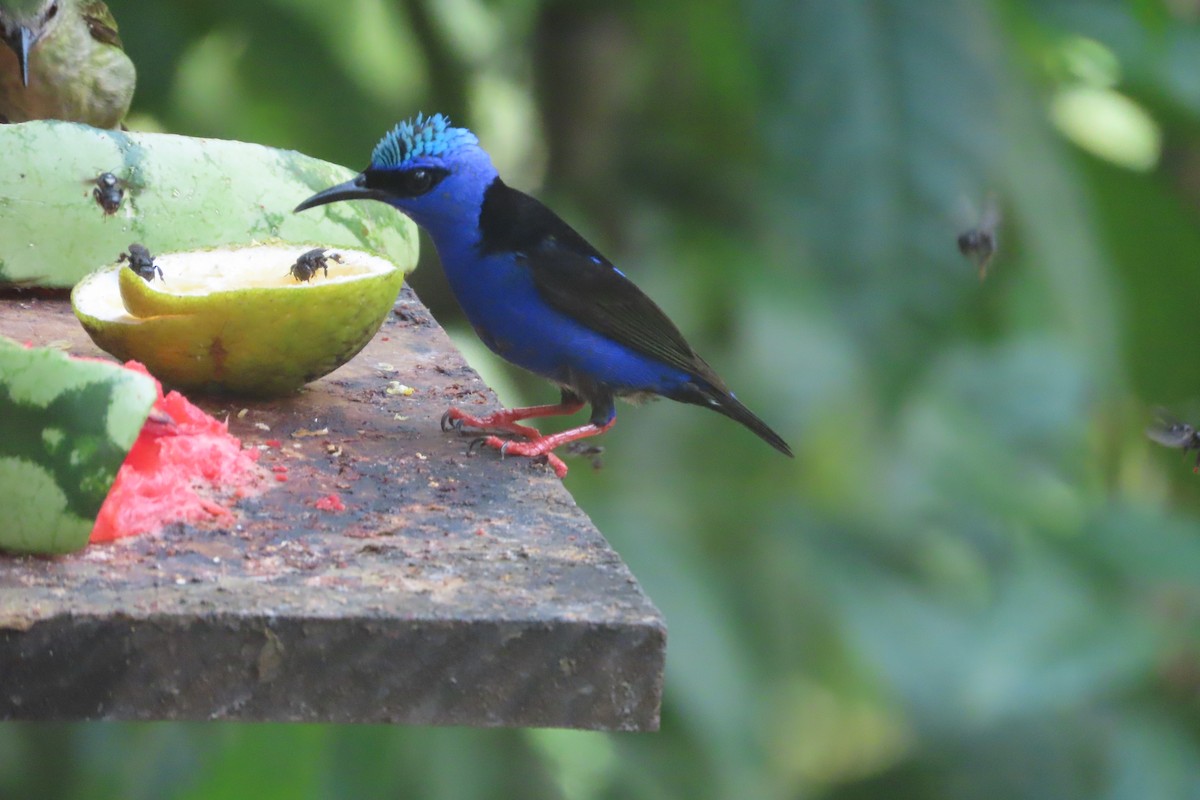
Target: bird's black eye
52,11
412,182
418,181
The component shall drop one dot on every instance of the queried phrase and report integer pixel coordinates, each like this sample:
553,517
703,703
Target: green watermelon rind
66,426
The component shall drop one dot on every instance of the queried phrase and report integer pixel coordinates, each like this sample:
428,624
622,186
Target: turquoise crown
422,136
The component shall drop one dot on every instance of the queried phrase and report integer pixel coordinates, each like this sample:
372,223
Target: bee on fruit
307,264
141,262
109,192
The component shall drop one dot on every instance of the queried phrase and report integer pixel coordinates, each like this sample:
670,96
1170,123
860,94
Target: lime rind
198,280
268,337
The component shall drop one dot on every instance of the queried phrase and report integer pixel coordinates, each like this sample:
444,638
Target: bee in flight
980,242
1170,432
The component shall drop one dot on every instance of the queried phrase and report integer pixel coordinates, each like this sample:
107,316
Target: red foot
506,420
545,445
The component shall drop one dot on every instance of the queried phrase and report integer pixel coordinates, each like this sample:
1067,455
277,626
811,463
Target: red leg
506,419
544,445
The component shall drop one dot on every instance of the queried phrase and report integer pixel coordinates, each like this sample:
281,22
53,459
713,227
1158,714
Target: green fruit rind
180,193
65,428
257,341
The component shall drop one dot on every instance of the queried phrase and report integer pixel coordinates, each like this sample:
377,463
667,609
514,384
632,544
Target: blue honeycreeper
536,292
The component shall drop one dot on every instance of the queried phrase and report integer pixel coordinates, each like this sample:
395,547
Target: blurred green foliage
977,579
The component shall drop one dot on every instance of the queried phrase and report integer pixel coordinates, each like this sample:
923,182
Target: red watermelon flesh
184,467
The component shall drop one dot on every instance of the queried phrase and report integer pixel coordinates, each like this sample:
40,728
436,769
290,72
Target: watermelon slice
92,450
65,426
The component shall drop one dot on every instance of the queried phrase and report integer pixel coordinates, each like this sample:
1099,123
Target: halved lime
236,319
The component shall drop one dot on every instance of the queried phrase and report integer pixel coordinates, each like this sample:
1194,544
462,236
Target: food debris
330,502
396,387
182,472
303,432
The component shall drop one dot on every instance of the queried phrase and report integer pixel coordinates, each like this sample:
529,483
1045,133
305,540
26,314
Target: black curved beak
20,41
355,189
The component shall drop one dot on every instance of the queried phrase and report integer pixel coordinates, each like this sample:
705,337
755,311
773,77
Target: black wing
600,298
573,277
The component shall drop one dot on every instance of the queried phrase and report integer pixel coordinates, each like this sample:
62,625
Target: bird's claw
500,422
556,464
507,447
552,461
501,445
460,421
451,422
